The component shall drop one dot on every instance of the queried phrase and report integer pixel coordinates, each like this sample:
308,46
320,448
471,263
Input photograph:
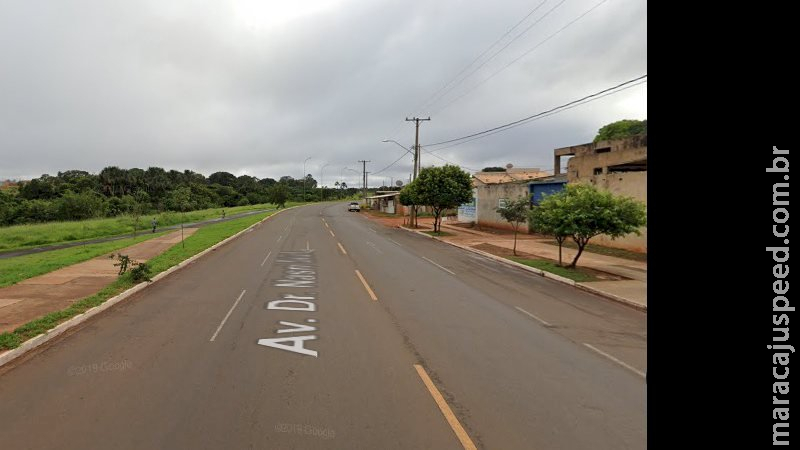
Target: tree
493,169
278,194
582,212
442,188
223,178
515,212
621,129
409,197
547,219
140,205
181,200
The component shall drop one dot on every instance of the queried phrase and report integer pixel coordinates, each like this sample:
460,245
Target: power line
582,102
527,52
390,165
537,114
444,89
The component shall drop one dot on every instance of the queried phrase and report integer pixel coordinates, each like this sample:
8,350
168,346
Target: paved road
208,359
5,254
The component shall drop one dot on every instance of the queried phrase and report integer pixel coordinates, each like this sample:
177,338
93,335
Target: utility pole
364,176
417,165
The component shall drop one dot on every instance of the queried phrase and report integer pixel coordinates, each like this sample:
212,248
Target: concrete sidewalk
627,281
57,290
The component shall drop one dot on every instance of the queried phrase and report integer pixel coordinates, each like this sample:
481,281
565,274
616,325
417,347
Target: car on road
354,206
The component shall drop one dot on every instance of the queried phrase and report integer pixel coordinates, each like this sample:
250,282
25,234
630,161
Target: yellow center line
366,286
341,248
460,432
331,232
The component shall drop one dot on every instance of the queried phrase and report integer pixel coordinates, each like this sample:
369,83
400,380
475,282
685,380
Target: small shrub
140,273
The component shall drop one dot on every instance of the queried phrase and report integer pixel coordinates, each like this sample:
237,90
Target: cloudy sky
257,86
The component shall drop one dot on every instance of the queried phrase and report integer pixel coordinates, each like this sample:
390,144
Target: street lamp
304,178
321,172
414,155
399,144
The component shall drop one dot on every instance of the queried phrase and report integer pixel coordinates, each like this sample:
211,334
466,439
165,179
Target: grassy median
35,235
202,239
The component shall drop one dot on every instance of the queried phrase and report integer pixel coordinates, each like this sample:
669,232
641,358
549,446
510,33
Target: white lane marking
439,266
631,368
373,230
265,259
374,247
331,232
227,315
341,248
279,238
307,246
545,323
395,242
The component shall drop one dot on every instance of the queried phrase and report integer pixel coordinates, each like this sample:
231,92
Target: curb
59,329
540,272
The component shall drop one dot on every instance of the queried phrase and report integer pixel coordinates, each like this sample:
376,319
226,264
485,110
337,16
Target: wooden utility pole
417,165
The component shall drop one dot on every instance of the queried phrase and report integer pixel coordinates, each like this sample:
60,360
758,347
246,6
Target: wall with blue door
537,190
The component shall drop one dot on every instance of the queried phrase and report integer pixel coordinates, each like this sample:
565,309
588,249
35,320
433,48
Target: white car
354,206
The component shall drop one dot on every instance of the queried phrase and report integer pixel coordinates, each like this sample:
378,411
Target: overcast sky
255,86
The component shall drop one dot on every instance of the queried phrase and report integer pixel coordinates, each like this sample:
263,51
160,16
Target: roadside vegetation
603,250
439,233
440,189
581,212
577,274
202,239
79,195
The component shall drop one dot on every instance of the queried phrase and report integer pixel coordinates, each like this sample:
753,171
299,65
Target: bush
140,273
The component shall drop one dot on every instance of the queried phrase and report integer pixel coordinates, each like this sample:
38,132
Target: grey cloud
183,85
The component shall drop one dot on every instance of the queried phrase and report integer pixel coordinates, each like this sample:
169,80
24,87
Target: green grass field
14,270
34,235
202,239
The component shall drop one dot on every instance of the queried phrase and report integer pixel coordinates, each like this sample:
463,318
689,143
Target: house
492,190
387,202
619,166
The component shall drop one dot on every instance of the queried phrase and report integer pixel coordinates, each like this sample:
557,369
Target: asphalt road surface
320,329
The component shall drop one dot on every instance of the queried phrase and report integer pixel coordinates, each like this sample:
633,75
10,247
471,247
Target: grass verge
34,235
439,233
14,270
202,239
603,250
576,274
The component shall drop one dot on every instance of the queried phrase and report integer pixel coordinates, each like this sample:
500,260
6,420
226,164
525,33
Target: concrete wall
586,160
590,164
488,199
630,184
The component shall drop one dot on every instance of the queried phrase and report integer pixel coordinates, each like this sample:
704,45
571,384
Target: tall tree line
78,194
